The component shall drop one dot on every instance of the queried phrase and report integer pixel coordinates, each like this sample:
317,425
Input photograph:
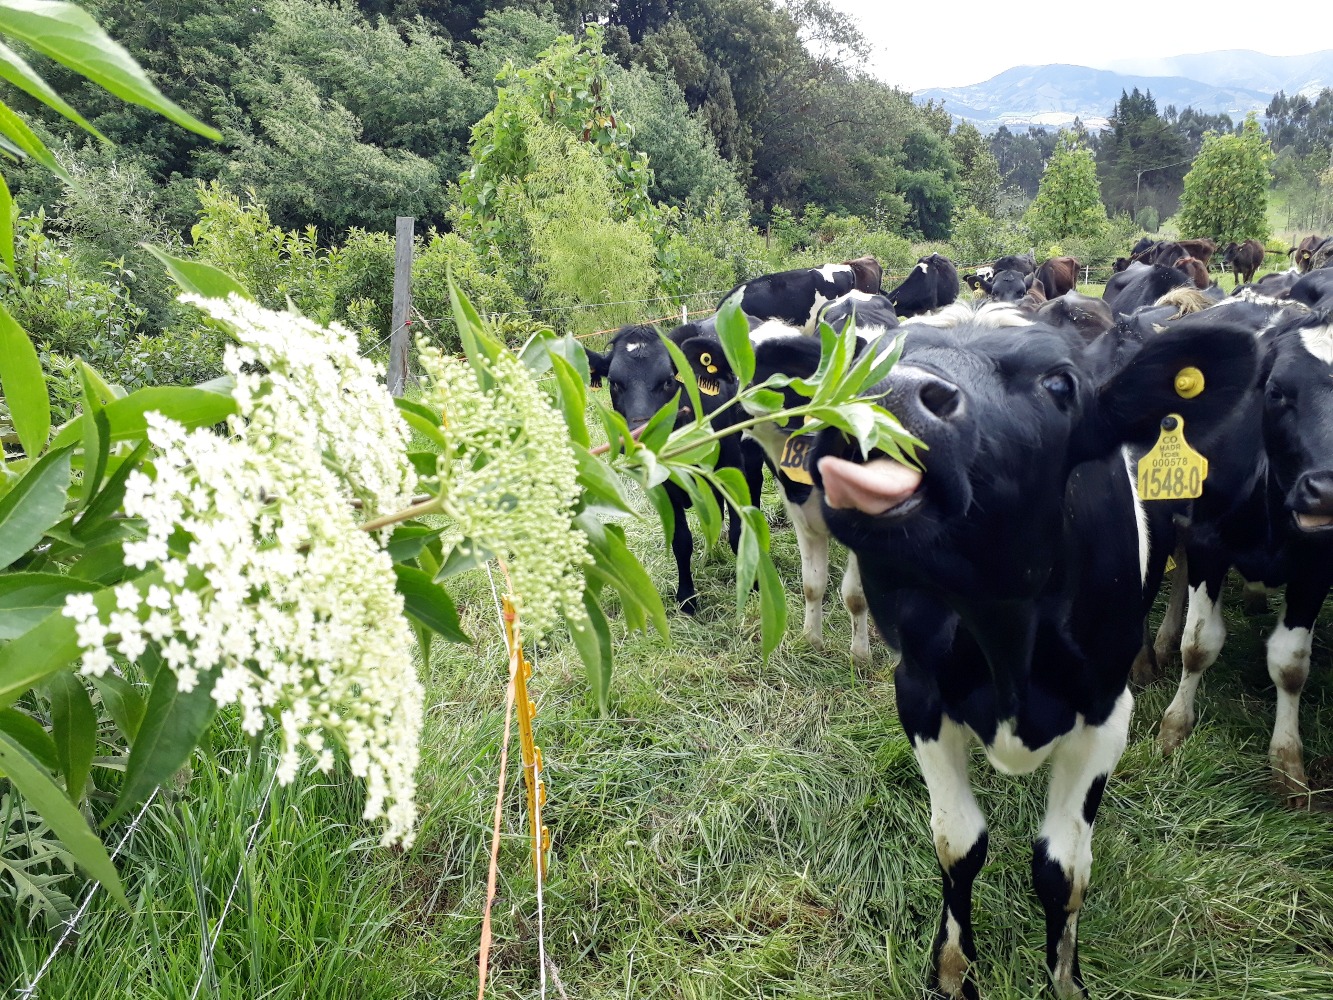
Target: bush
448,254
979,239
1148,220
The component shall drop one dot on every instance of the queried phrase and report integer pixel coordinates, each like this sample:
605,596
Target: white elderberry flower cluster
509,482
259,582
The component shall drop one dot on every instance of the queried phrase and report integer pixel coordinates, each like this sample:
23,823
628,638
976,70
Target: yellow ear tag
709,387
1189,383
1172,470
712,369
1170,564
706,359
795,458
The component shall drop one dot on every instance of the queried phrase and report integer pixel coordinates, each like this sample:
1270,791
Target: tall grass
734,830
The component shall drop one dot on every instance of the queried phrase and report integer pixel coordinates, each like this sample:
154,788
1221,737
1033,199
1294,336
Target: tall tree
1142,161
1226,191
979,180
1069,200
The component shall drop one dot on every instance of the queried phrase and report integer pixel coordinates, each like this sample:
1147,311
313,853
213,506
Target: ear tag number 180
1172,470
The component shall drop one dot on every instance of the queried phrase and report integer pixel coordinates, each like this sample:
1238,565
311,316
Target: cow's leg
1289,666
682,547
812,540
855,600
960,835
1205,632
1062,852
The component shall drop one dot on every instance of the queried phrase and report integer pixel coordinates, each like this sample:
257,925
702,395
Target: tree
1142,160
1069,201
979,181
1226,190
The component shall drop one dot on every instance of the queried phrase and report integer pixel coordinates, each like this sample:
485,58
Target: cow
1139,286
1201,250
1144,244
643,379
978,282
1314,289
1058,275
783,350
1243,259
1267,511
933,283
1010,286
796,296
1023,263
1015,574
1274,285
1167,253
1303,251
1322,255
1195,269
874,314
1090,318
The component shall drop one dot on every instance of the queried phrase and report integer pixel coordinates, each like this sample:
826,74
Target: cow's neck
1006,632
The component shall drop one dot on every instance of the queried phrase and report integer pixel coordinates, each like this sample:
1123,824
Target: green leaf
193,406
35,504
66,822
31,734
50,646
622,569
660,425
25,141
747,555
74,728
600,482
174,723
428,604
27,598
197,277
772,606
6,222
14,69
573,399
96,432
67,34
23,383
122,702
457,561
409,539
686,372
733,330
592,639
108,501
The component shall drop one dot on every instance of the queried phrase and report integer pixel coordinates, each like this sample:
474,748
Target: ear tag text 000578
1172,470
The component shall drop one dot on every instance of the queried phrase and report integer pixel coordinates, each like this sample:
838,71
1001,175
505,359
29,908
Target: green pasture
733,830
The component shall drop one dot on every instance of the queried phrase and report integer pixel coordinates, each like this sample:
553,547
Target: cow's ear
706,358
1028,279
867,274
1199,368
599,366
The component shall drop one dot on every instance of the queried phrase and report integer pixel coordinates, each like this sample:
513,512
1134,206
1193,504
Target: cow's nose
939,398
1314,492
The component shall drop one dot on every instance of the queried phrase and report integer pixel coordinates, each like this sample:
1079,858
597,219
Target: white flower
299,617
127,597
80,607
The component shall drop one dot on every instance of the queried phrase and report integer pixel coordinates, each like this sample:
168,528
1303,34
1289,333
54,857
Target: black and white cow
1267,510
1012,573
1314,289
874,314
795,297
933,283
643,380
781,349
1010,286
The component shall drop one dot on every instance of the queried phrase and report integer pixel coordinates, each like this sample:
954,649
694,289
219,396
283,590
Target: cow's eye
1275,395
670,385
1060,385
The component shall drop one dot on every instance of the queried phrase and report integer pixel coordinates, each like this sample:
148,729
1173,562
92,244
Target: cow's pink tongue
872,488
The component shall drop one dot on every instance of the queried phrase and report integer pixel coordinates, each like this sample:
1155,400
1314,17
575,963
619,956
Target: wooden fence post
400,342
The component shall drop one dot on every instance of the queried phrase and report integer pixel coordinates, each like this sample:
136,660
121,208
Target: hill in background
1230,82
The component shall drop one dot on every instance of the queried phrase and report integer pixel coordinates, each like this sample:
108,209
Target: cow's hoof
1173,732
689,605
1067,989
814,639
1289,776
861,655
1144,671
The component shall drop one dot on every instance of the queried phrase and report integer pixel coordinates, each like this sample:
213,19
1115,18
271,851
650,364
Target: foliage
979,172
1226,190
927,183
978,238
1068,202
1142,161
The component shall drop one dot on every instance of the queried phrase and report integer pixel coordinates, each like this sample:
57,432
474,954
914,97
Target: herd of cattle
1015,569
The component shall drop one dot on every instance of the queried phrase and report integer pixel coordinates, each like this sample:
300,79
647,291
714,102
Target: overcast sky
916,45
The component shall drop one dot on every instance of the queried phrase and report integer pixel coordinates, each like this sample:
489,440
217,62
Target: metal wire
27,992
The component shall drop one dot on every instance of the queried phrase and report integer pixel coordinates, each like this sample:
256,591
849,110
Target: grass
733,830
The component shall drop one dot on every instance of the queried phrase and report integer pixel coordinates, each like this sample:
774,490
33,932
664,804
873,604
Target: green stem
431,506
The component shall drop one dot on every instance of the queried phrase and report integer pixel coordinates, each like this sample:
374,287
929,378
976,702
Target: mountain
1053,95
1307,74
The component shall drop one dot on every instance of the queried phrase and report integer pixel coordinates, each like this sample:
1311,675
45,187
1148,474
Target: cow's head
642,377
867,274
1297,380
1006,415
1010,286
